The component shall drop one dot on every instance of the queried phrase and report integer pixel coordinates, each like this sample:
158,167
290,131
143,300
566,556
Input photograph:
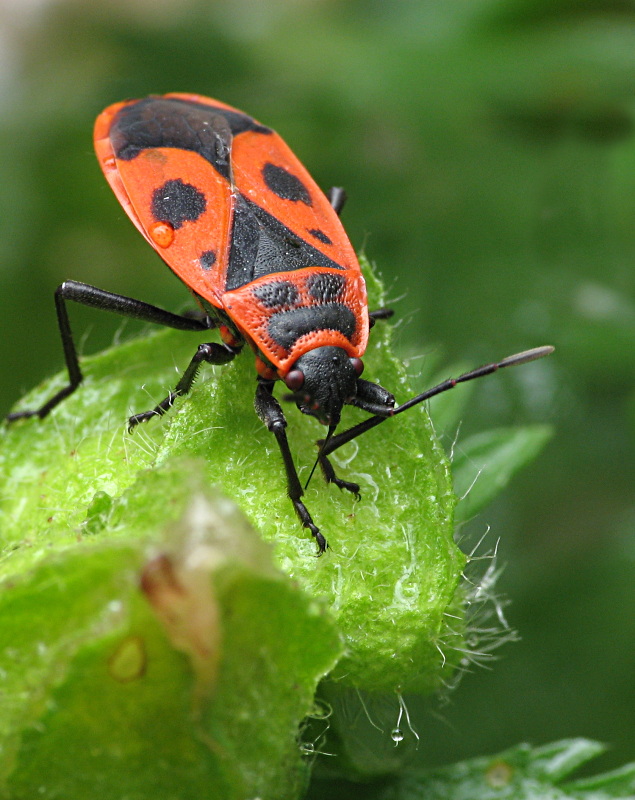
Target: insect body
237,217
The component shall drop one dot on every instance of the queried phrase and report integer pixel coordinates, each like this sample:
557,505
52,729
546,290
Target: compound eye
295,380
358,366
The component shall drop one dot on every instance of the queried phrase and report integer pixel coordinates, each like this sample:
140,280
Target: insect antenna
450,383
479,372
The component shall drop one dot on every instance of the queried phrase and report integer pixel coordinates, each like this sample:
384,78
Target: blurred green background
488,151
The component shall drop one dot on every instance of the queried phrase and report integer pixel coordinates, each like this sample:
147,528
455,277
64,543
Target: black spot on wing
320,236
207,259
325,287
277,294
177,202
285,184
262,245
184,124
286,327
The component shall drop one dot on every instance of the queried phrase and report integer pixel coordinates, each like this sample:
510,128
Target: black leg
337,198
118,304
372,398
330,476
212,353
380,313
269,411
352,433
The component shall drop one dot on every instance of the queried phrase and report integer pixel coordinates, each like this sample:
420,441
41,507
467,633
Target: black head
322,381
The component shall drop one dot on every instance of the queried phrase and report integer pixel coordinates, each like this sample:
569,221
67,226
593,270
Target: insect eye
295,380
358,366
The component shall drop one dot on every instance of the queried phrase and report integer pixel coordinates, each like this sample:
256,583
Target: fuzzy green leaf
182,690
520,773
81,503
393,566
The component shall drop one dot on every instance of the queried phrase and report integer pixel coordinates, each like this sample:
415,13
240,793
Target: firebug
238,218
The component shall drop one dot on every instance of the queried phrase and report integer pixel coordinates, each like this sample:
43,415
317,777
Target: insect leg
330,475
370,397
379,313
210,352
271,414
98,298
352,433
337,197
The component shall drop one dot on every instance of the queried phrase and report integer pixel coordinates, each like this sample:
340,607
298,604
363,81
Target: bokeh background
488,150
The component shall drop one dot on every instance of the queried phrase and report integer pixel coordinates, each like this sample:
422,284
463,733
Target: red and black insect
236,216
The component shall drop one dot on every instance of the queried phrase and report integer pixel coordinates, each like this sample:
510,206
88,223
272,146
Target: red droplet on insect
109,162
162,233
